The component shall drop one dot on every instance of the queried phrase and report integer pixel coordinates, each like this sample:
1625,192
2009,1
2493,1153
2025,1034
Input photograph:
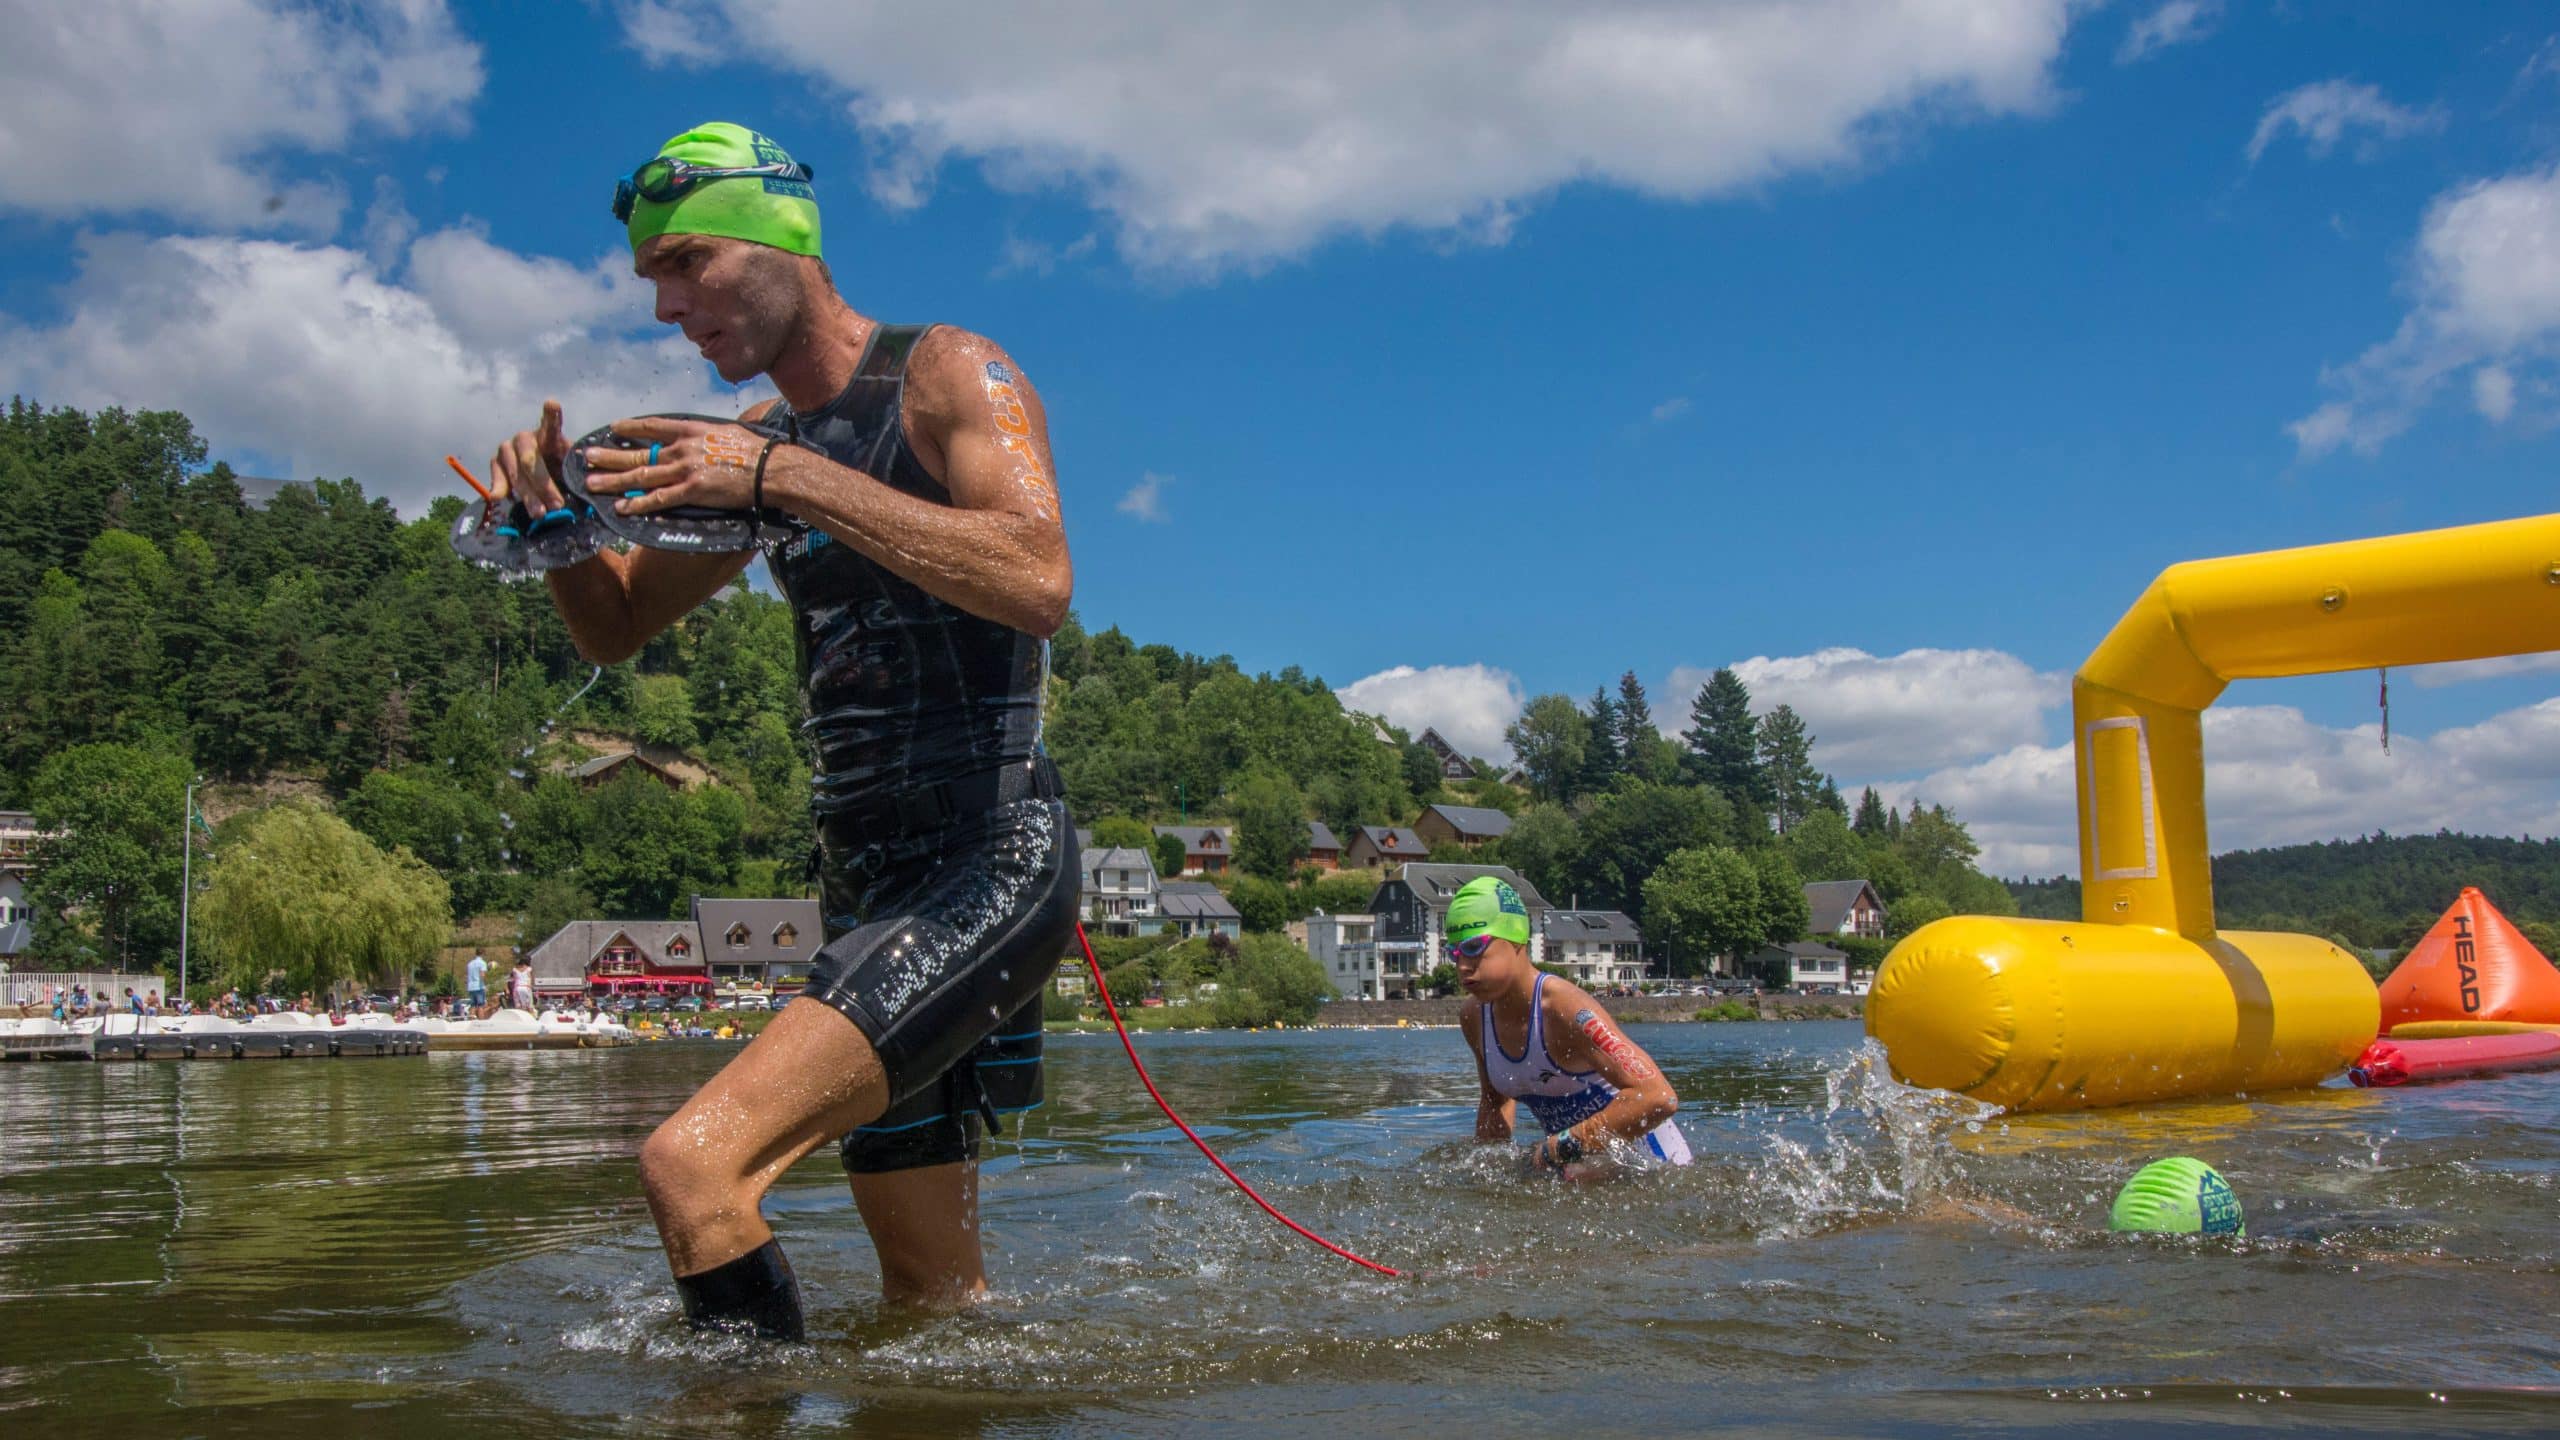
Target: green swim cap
1486,903
2177,1197
764,209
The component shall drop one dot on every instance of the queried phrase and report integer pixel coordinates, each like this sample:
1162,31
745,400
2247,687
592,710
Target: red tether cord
1250,1193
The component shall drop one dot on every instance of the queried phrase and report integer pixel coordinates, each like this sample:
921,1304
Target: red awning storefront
672,980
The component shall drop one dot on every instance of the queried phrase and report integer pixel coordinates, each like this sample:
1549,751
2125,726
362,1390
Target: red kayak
2417,1062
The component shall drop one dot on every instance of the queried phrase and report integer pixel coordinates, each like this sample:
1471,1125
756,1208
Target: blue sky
1889,347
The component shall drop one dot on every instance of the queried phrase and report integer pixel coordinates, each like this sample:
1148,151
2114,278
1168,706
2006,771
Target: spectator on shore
475,980
133,1002
151,1003
520,984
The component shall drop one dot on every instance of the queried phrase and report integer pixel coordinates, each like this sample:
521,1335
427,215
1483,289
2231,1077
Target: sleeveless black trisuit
949,874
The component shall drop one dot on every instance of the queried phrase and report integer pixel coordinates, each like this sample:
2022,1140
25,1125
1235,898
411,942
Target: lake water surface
456,1246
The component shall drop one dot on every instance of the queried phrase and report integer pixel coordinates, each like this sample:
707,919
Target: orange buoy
2473,965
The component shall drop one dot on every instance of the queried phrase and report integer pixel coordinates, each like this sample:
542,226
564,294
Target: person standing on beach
475,982
1540,1040
910,520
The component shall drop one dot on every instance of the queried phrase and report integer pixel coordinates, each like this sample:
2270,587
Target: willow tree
296,891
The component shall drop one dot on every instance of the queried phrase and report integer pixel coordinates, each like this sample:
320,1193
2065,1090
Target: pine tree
1635,717
1723,741
1602,759
1870,823
1830,798
1786,767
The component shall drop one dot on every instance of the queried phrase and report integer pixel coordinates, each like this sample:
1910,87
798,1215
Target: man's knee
687,1179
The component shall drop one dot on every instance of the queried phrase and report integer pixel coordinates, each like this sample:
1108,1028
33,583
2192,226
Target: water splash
1879,1146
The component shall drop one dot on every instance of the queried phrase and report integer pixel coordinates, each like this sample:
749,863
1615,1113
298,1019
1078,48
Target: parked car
690,1004
752,1002
654,1003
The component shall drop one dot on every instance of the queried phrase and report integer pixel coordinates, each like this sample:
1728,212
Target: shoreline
1444,1014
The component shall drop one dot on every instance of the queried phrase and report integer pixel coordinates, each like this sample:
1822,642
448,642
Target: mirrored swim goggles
1474,946
661,181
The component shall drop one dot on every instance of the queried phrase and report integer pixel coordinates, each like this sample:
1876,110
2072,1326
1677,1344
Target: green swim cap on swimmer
2177,1196
1484,904
766,209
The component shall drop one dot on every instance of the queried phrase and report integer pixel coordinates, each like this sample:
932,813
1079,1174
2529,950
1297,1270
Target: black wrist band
1567,1148
757,504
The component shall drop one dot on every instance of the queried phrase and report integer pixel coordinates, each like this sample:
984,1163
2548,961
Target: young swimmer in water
1540,1040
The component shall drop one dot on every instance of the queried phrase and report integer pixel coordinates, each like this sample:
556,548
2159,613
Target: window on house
678,948
738,935
786,935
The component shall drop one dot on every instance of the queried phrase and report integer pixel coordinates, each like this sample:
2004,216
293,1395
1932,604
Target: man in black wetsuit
921,551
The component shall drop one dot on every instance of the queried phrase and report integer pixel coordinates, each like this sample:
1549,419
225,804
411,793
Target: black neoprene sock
754,1292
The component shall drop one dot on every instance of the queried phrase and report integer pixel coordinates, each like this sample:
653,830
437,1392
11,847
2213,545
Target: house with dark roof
1118,891
1375,847
1453,766
1462,824
604,958
758,944
1206,849
1595,948
1324,848
605,769
1844,907
1196,907
1805,962
1412,908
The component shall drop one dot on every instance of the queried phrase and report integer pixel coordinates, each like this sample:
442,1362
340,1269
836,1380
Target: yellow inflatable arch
2143,999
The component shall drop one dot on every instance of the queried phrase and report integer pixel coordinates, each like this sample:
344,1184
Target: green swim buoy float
2177,1196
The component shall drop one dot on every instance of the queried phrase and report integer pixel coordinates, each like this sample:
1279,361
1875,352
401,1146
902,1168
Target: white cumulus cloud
2488,295
1470,705
1879,715
183,109
2275,777
2176,22
1146,498
2327,111
1214,133
313,353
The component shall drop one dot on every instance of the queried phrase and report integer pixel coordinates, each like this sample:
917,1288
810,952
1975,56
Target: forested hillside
315,652
2377,891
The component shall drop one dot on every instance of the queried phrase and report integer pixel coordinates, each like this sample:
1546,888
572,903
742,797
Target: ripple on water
460,1240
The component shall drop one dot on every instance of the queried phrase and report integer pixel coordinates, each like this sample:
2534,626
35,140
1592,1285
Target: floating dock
293,1036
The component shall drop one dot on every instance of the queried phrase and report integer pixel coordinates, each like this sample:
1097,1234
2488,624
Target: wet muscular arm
1493,1108
998,549
1583,1036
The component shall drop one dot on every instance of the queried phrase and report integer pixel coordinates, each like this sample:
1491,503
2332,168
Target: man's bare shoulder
949,371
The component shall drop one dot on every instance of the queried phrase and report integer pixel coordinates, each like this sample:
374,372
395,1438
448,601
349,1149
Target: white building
1595,948
1347,947
1119,892
1807,962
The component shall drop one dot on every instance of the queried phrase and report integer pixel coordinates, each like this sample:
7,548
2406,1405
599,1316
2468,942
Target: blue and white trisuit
1559,1097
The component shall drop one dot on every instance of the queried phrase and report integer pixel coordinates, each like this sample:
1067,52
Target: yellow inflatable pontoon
2142,998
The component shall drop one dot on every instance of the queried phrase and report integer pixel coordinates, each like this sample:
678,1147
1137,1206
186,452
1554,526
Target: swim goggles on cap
661,180
1474,946
702,529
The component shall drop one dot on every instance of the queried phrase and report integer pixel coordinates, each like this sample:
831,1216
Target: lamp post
186,877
